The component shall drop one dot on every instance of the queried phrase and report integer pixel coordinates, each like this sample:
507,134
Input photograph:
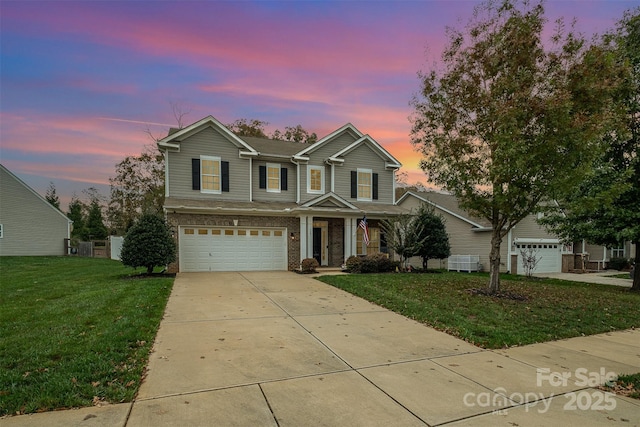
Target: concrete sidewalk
602,277
280,349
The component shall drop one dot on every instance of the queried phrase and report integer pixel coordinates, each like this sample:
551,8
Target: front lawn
552,309
74,331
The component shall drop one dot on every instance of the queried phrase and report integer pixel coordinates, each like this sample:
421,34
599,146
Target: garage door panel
245,249
549,257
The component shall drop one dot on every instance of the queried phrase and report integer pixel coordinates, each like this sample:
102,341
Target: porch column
309,237
350,228
348,236
303,237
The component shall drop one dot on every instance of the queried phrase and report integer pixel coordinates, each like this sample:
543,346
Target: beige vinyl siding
30,225
208,142
529,228
262,195
462,239
364,157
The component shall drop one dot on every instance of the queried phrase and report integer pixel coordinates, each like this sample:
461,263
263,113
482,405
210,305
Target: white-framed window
365,184
1,231
374,241
617,252
210,174
273,177
315,179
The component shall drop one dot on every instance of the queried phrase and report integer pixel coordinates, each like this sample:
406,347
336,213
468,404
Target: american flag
365,230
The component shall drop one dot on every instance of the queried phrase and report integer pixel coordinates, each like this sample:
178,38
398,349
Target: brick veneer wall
292,224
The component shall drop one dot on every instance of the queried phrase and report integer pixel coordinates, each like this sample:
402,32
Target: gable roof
329,200
446,203
391,161
172,141
348,128
34,192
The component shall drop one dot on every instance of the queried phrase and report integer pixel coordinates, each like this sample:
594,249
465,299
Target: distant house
469,235
29,225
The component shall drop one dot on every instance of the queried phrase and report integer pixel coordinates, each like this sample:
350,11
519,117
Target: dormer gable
346,129
390,161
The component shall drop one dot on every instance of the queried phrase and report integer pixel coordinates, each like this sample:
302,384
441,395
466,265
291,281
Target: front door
321,242
317,244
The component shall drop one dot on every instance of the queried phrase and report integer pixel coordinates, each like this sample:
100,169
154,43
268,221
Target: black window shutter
354,184
195,174
283,179
374,187
262,175
224,166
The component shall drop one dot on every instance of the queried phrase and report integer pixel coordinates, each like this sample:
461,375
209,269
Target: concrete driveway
280,349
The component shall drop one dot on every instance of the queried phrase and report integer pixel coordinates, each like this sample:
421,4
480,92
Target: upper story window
273,177
210,174
315,179
364,184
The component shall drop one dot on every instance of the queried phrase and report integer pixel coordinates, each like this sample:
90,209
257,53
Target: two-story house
241,203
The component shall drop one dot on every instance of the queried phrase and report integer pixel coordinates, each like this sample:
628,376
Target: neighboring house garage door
549,255
232,249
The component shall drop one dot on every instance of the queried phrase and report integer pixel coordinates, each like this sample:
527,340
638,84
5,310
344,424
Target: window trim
370,172
312,168
214,159
1,231
278,167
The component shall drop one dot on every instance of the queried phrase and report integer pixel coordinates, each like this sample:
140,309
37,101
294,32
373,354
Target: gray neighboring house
29,225
469,235
239,203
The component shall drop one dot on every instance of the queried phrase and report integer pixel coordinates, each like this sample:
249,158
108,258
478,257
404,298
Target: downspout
297,180
251,179
393,186
333,177
510,242
166,172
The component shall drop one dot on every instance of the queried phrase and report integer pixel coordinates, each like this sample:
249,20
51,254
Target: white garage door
232,249
549,256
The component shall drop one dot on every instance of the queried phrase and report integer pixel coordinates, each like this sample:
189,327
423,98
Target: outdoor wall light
293,236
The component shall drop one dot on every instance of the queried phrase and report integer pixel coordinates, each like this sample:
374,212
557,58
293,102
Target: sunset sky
80,81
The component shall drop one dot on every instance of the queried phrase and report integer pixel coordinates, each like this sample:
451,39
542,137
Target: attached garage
547,251
232,249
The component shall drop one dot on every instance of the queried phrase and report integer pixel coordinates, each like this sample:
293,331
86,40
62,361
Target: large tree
94,228
605,208
52,196
75,214
137,188
511,119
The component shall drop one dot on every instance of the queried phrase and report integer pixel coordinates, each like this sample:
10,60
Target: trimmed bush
375,263
618,264
353,264
309,265
148,244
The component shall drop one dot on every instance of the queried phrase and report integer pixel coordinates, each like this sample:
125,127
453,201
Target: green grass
620,276
74,331
553,309
627,385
